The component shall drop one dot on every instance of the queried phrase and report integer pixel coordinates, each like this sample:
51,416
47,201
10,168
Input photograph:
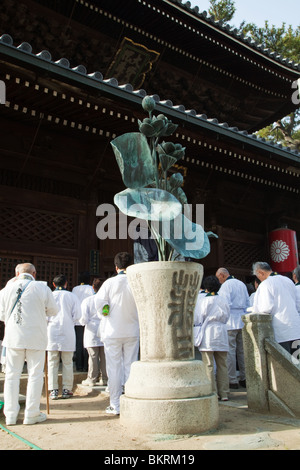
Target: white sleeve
51,307
297,298
197,311
263,302
102,298
225,293
84,313
2,309
76,311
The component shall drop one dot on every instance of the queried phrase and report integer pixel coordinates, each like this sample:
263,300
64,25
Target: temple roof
226,28
190,58
80,80
163,9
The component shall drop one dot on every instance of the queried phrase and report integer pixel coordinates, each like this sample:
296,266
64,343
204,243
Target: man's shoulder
115,280
71,295
64,293
37,289
235,280
278,279
31,285
66,297
210,300
238,283
285,281
41,285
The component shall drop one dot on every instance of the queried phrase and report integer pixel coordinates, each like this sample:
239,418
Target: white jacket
61,331
122,321
276,295
235,293
212,314
91,321
82,292
297,287
26,326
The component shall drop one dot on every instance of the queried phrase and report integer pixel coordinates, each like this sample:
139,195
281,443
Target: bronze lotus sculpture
155,193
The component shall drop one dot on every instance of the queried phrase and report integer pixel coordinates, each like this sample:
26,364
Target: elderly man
236,295
276,295
24,306
296,279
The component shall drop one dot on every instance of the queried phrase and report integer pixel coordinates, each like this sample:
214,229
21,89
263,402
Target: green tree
285,131
283,40
223,10
286,42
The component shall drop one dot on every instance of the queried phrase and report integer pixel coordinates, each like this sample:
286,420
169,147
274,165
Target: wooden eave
96,110
226,66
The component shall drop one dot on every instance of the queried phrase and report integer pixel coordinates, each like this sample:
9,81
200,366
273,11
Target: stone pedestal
167,392
257,327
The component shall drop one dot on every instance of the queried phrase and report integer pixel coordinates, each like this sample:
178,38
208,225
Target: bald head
222,274
27,268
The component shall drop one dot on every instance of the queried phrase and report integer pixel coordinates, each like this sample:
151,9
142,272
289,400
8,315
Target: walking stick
46,382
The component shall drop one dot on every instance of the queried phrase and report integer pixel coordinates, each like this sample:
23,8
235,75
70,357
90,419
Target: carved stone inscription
165,295
183,294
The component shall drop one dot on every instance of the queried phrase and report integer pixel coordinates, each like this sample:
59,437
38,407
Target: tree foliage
222,10
285,40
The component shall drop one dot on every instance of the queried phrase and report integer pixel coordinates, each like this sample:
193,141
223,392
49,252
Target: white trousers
235,354
15,359
67,369
120,353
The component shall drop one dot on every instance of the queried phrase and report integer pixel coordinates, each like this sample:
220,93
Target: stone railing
272,374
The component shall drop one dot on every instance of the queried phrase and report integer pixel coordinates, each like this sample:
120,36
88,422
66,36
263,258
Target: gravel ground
80,423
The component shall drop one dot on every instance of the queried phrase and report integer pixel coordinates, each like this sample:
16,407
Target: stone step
78,378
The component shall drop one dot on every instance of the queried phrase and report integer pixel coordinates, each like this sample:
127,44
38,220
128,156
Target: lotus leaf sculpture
153,193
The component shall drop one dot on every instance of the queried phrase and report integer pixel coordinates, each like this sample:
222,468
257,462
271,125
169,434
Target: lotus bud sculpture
153,194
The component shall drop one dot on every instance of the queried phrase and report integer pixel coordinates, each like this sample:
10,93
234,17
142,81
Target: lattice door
47,268
8,264
242,255
49,228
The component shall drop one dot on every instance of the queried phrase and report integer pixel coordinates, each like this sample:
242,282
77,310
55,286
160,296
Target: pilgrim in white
61,338
212,314
276,295
119,329
236,295
25,305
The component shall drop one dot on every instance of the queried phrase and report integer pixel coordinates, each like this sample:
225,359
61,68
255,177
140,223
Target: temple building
75,73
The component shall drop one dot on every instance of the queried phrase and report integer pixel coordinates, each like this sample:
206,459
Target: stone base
176,416
167,380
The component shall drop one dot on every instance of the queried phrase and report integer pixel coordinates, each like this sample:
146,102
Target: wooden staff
46,382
